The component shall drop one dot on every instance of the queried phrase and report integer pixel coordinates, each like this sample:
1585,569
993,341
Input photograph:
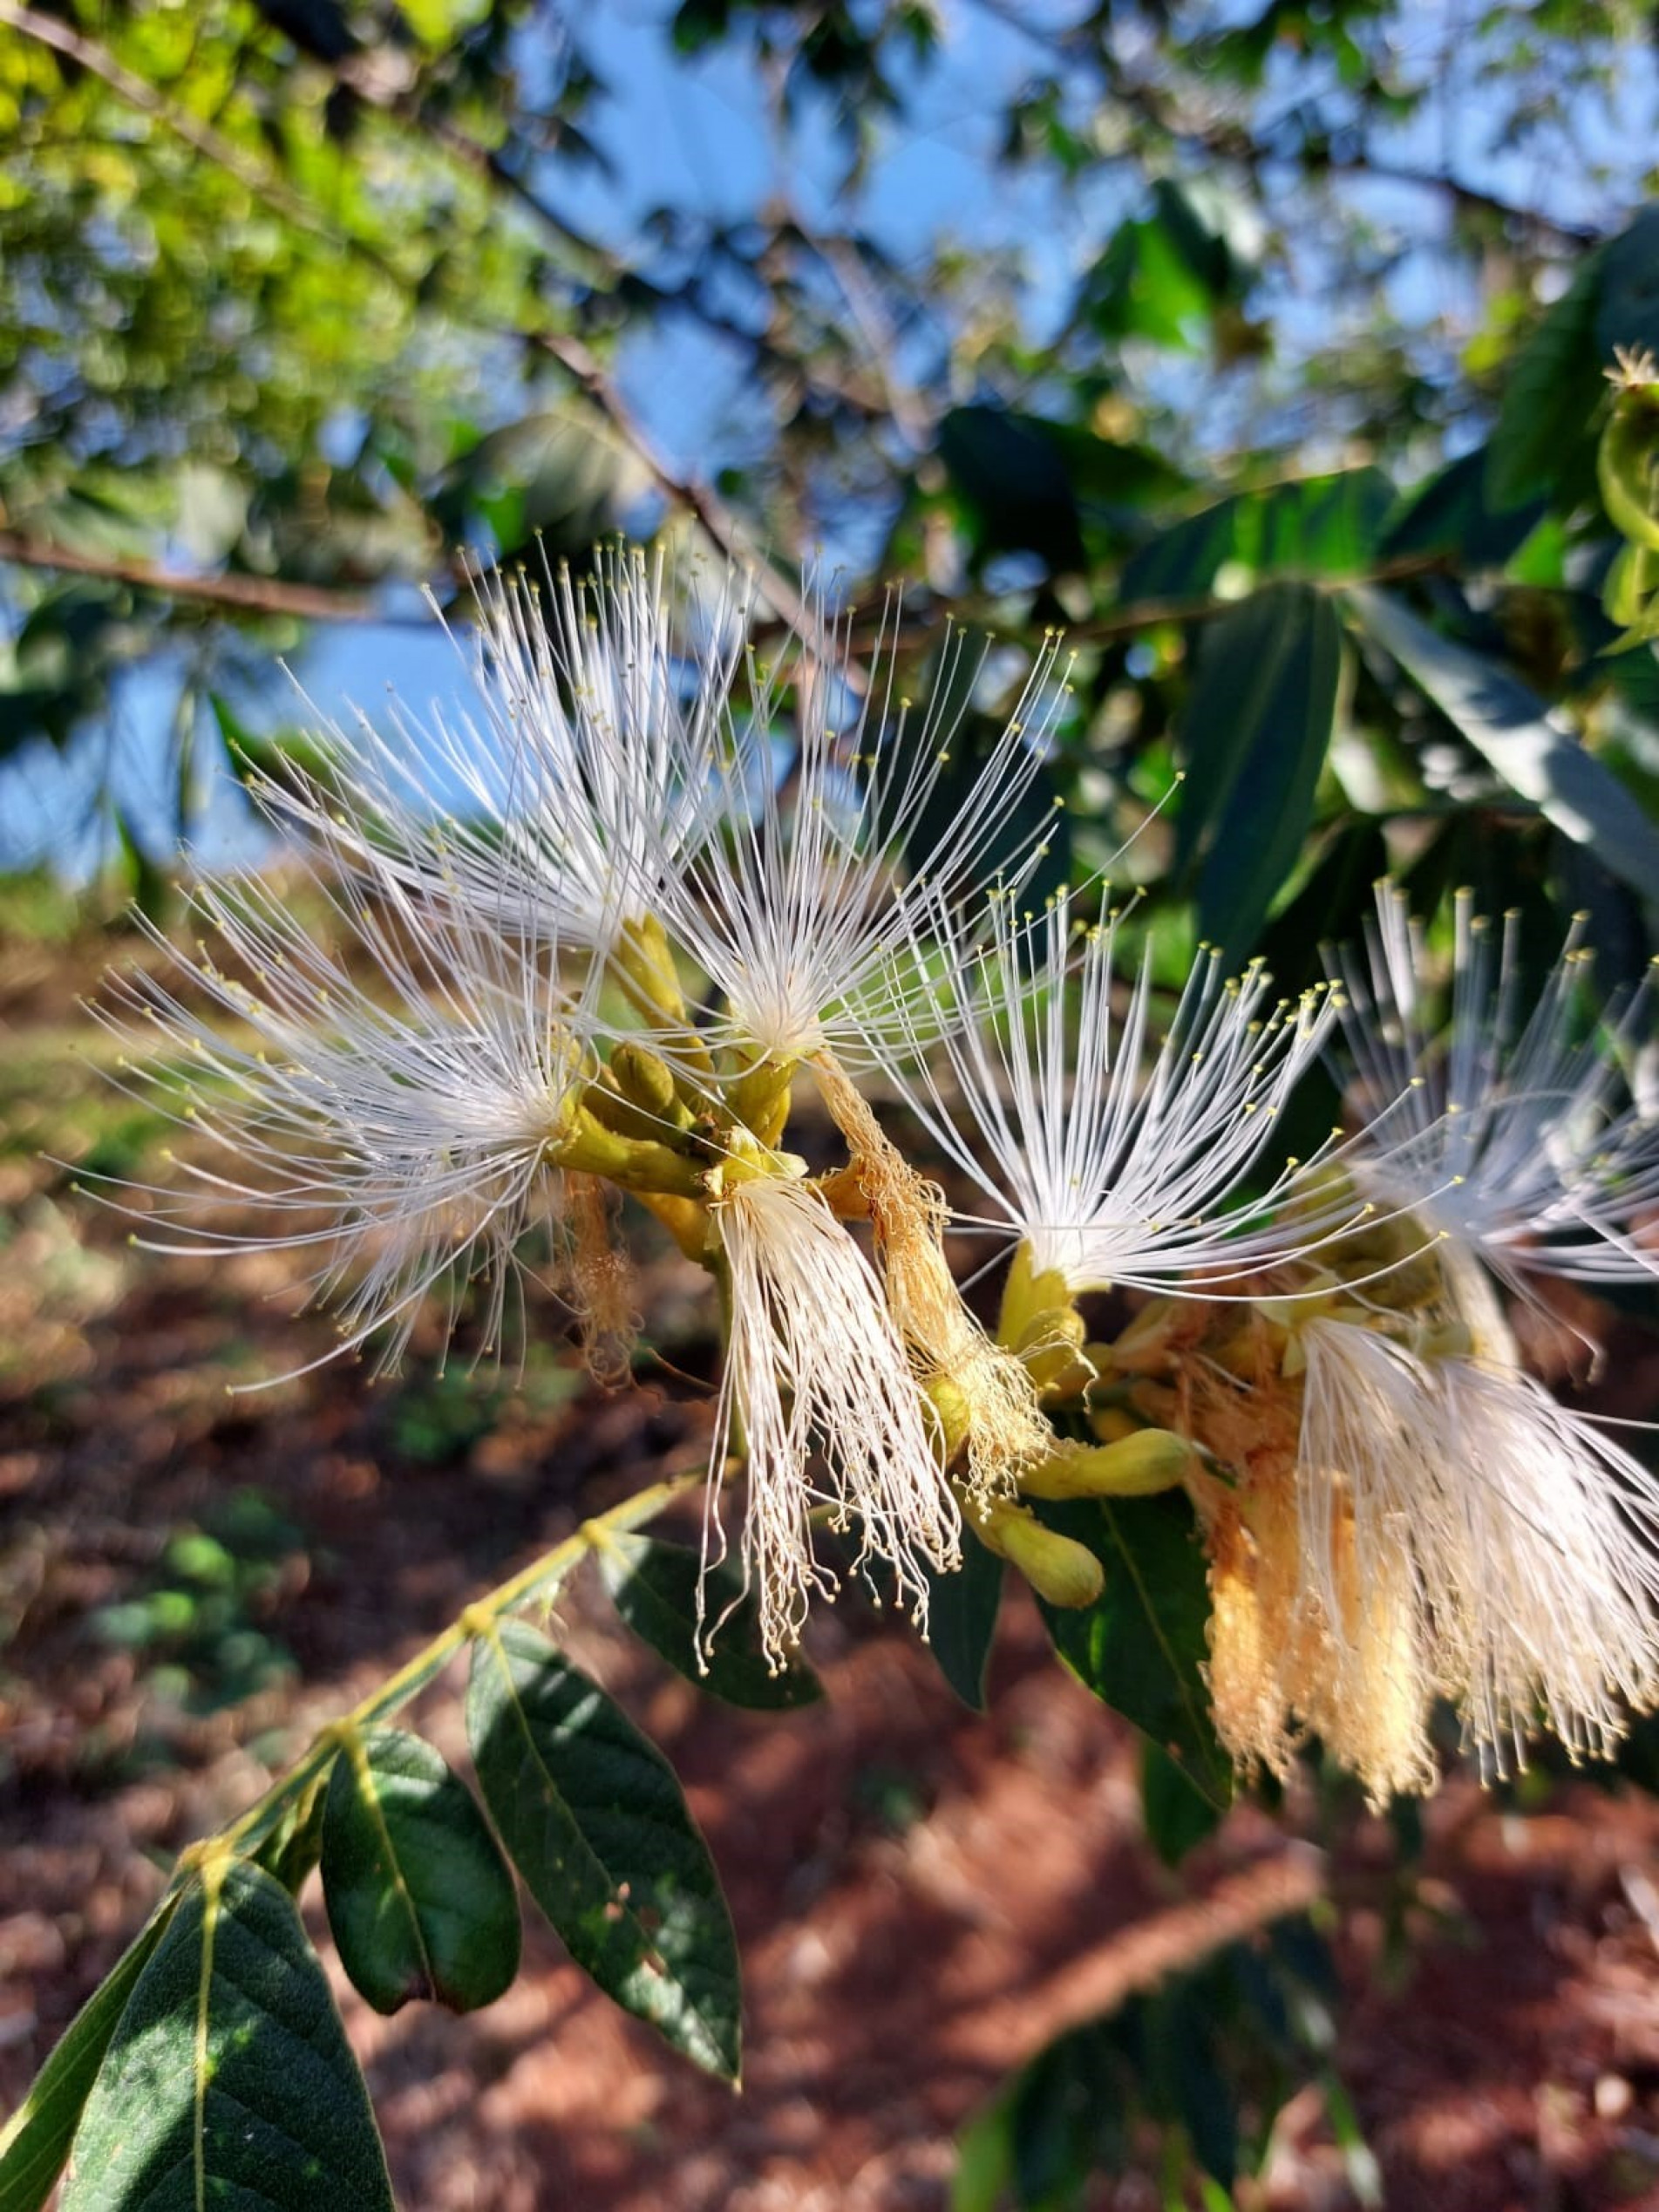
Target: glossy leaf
1320,526
961,1619
1542,440
1142,1647
36,2139
653,1587
420,1900
1256,729
1451,514
1178,1815
229,2079
1627,293
597,1825
1011,477
1506,723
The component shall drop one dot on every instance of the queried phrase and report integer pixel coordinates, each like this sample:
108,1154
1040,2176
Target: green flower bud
1135,1466
1060,1570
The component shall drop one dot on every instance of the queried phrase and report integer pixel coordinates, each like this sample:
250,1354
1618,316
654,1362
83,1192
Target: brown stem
246,595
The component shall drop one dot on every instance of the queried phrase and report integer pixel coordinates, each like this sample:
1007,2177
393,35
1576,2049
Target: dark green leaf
557,478
1506,724
1257,727
597,1825
1194,224
1011,475
961,1619
1320,526
1141,1647
1332,904
1179,1816
148,886
1144,286
654,1586
290,1849
229,2079
36,2139
420,1898
1542,442
1626,300
1450,515
1182,2046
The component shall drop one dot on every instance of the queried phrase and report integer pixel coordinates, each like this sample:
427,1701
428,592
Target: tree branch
201,138
572,353
244,595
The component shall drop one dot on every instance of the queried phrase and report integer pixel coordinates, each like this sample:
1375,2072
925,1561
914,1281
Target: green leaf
1506,724
1451,514
961,1619
1319,526
653,1587
597,1825
1627,295
1541,444
290,1849
1190,2082
1140,1649
1257,727
1332,903
420,1898
555,482
1011,477
1179,1816
36,2139
1144,285
229,2079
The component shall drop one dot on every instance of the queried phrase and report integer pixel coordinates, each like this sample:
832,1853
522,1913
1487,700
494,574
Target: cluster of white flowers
670,881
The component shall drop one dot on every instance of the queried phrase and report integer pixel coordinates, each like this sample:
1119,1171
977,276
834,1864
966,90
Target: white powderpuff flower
1517,1138
389,1105
586,778
1530,1540
831,852
1115,1163
817,1379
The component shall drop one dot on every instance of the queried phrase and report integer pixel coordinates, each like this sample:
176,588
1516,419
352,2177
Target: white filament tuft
1529,1538
1112,1171
817,1378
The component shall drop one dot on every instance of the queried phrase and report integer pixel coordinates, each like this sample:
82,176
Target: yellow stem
251,1829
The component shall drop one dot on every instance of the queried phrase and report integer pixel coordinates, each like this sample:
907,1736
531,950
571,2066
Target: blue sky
696,136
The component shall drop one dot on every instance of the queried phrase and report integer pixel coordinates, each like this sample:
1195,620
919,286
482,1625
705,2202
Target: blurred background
1263,347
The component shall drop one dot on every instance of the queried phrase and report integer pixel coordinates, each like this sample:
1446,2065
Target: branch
490,164
246,1833
138,93
1227,141
570,352
1462,194
1145,613
873,630
246,595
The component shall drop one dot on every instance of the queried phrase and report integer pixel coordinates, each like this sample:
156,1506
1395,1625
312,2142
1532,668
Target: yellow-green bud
644,1078
1060,1571
759,1098
1135,1466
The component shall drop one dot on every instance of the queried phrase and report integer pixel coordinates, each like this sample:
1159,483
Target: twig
540,1578
246,595
866,630
572,354
200,136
